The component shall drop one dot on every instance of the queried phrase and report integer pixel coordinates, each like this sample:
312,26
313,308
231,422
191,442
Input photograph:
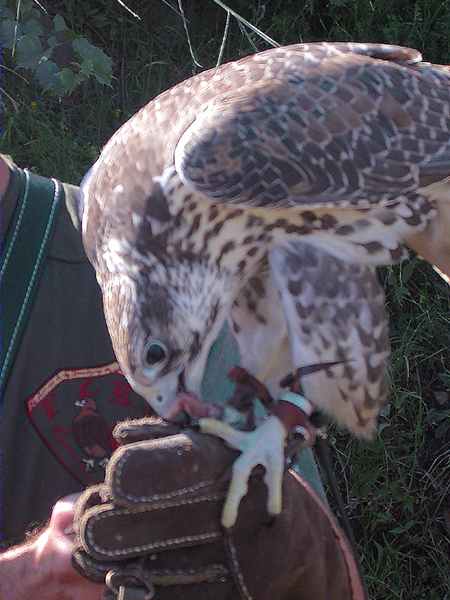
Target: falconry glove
153,530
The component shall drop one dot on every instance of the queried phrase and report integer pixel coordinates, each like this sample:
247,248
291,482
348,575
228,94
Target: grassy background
397,488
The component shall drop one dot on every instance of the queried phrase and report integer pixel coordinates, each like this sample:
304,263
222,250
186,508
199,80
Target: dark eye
156,353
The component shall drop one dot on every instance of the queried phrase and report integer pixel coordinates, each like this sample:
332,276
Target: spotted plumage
265,192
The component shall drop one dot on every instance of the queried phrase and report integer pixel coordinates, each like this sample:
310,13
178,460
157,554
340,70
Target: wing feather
345,129
335,311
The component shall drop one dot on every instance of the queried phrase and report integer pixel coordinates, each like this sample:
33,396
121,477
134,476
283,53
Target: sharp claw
237,490
274,500
264,446
230,512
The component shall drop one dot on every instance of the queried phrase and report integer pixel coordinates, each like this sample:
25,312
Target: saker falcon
266,192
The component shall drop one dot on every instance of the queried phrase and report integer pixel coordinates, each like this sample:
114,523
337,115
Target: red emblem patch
75,412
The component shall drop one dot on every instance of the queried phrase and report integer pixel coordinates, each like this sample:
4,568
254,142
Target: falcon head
162,322
164,306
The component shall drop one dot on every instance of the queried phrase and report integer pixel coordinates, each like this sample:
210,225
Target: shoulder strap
21,263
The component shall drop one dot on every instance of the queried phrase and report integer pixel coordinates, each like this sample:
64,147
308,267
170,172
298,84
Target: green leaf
86,68
52,79
59,23
28,11
32,26
68,80
6,13
46,73
7,29
103,74
83,47
28,51
52,41
93,60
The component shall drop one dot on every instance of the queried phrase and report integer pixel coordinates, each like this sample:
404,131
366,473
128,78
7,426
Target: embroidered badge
75,412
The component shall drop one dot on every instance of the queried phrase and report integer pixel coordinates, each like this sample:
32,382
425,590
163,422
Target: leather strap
21,262
22,259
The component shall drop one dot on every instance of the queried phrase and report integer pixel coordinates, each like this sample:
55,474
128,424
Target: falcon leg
263,446
259,326
249,387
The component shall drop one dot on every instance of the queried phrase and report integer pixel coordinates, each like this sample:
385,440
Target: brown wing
339,129
217,113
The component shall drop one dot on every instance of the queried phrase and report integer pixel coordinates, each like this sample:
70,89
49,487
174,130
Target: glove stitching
236,568
215,573
90,567
117,490
169,504
153,546
213,567
90,562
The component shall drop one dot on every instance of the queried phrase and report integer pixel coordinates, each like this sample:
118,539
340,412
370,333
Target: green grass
397,489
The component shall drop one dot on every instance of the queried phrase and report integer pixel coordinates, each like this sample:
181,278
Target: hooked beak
162,396
176,396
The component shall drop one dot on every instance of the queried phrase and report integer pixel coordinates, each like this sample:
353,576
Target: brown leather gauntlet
153,529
